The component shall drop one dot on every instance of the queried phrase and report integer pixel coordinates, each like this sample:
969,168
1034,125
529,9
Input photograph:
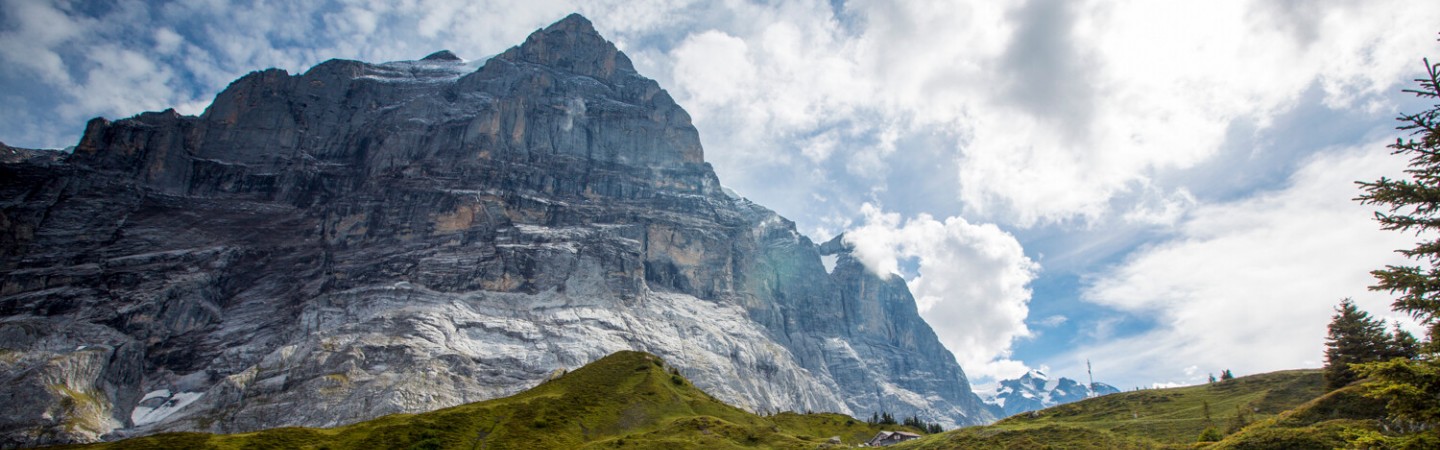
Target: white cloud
1250,285
167,41
1157,208
1061,108
29,41
121,82
1169,80
716,69
819,148
971,282
1052,321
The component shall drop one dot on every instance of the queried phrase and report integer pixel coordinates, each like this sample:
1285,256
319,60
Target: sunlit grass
626,400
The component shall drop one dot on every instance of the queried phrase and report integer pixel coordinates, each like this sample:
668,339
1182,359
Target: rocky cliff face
365,239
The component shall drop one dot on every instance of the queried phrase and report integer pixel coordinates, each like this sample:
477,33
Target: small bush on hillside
1211,434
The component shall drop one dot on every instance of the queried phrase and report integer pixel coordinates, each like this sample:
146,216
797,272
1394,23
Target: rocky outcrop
14,155
365,239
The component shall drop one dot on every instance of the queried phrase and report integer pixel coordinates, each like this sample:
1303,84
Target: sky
1162,188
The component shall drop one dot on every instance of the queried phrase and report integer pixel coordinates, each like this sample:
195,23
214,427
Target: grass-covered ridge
1179,415
1287,409
633,400
625,400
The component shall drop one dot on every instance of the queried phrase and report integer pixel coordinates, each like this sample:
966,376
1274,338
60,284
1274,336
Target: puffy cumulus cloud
1163,83
771,87
971,282
1057,109
32,31
1250,285
716,68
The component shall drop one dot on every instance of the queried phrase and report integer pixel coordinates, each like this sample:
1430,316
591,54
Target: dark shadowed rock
443,55
16,155
364,239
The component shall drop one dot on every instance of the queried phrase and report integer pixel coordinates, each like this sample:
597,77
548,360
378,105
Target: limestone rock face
365,239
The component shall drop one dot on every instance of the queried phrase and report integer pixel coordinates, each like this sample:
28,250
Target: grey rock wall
364,239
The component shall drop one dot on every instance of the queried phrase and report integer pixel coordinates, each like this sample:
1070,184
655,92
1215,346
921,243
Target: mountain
1035,390
14,155
367,239
624,400
1277,410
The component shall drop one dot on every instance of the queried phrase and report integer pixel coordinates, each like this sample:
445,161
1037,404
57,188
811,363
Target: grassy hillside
625,400
1245,408
1329,421
632,400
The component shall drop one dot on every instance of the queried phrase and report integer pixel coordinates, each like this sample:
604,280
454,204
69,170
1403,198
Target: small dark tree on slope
1403,344
1354,338
1211,434
1411,387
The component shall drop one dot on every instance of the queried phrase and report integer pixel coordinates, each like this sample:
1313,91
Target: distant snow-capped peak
1035,390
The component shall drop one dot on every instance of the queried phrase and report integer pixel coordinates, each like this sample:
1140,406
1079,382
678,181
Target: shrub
1211,434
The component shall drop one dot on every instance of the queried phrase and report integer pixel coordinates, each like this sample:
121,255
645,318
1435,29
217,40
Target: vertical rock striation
364,239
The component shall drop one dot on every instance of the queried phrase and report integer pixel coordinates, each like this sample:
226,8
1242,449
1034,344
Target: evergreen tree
1403,344
1413,204
1211,434
1410,387
1354,338
1241,419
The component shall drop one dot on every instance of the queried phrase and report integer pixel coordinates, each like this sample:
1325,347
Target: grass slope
625,400
1332,420
1155,418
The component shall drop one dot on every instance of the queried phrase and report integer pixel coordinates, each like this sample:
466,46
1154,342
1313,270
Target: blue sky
1162,188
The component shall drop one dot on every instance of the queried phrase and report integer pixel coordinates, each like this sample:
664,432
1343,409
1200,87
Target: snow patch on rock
160,404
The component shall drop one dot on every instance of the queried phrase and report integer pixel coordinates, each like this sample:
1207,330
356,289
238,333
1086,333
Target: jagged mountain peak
572,44
1035,390
370,238
1035,374
576,22
836,245
443,55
